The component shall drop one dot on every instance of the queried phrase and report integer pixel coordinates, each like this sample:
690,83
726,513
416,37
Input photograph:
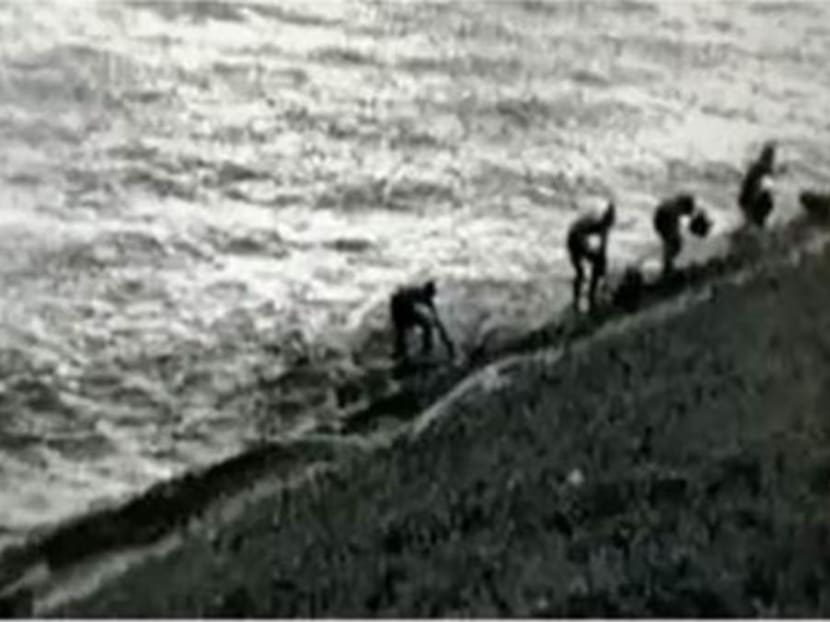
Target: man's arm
439,325
445,337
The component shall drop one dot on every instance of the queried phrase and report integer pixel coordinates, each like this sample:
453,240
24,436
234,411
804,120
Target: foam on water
193,195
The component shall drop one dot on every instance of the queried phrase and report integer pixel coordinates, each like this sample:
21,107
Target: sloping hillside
677,464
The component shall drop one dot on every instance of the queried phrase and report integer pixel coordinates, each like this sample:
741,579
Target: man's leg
579,278
400,343
597,272
425,324
401,322
671,249
598,266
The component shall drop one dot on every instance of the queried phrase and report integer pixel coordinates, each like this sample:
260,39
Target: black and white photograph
414,309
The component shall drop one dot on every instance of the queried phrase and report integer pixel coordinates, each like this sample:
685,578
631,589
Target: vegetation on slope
676,468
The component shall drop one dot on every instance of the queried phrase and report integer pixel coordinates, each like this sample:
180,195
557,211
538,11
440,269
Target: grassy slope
704,444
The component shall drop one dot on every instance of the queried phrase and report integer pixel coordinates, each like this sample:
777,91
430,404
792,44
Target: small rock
575,478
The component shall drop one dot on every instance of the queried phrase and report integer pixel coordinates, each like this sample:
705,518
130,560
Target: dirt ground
676,467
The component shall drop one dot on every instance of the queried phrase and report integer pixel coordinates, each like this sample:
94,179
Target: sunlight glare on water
195,194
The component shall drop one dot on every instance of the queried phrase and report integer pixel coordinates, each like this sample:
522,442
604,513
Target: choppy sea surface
194,194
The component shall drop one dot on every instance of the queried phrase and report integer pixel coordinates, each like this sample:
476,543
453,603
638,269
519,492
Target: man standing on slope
755,198
667,220
588,242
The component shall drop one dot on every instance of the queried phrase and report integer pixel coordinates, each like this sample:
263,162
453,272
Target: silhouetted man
755,198
588,243
668,217
414,307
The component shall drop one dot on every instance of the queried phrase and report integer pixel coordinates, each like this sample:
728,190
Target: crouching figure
668,217
414,307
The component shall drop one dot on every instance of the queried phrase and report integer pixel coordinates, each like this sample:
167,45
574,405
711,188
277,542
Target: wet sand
668,462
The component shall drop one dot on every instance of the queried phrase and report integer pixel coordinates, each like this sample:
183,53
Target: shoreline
172,506
155,297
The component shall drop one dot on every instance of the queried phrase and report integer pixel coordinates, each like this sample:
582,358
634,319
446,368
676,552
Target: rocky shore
668,462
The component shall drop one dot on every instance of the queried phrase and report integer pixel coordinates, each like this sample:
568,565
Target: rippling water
194,194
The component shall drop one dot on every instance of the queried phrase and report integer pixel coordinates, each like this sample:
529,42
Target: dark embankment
674,465
382,406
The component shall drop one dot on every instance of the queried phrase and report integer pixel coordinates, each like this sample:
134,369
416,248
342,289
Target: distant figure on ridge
412,307
755,198
667,221
588,242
